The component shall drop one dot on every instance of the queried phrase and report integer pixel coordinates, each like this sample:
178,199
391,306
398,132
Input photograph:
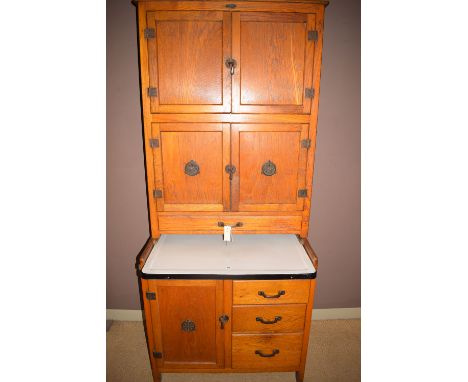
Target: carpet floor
334,356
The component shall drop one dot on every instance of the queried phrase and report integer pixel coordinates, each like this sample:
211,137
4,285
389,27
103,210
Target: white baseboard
124,315
317,314
336,314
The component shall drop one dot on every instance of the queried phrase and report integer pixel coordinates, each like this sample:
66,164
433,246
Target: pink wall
335,221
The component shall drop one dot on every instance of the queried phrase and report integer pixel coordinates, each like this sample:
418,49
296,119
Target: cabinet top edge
322,2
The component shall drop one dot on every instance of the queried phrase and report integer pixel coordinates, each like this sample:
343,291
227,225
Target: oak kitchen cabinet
230,95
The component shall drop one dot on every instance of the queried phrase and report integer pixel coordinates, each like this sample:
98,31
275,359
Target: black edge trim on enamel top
198,276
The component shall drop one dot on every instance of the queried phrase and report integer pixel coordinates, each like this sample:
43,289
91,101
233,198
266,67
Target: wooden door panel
260,148
186,61
186,319
275,62
186,147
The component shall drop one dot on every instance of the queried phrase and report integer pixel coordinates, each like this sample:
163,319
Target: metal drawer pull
192,168
238,224
259,352
280,293
266,322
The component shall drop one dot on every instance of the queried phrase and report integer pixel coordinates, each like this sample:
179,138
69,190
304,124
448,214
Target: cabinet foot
156,377
300,376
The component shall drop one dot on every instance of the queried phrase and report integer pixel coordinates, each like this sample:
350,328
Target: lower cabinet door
185,317
266,351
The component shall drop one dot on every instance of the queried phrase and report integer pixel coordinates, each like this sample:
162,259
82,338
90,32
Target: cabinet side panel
305,338
313,121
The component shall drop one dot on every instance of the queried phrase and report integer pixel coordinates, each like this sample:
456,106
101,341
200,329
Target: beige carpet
334,355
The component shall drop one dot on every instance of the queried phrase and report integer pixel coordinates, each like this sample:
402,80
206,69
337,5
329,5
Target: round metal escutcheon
192,168
188,326
269,168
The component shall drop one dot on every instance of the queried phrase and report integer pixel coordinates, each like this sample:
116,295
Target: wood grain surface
244,347
274,62
184,223
199,301
180,144
286,318
186,61
253,145
247,292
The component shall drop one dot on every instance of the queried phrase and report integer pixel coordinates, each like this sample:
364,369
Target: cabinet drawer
268,318
270,292
266,351
169,223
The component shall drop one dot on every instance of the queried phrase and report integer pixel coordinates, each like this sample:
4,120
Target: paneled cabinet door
186,322
274,54
271,166
189,166
186,56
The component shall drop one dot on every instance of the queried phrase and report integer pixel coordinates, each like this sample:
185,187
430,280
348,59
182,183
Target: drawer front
268,318
169,223
266,351
271,292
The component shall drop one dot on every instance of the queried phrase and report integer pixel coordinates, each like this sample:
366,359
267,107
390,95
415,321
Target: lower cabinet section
266,351
226,325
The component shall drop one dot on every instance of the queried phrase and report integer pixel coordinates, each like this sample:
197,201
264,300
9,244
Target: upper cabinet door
189,166
186,55
271,162
274,56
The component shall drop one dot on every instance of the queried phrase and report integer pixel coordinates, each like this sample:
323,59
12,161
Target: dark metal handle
230,170
192,168
238,224
280,293
261,354
231,64
223,319
266,322
269,168
231,6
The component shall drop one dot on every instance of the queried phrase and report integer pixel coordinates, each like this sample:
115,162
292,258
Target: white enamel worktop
245,255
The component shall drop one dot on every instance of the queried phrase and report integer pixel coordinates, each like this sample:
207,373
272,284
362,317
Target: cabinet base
157,376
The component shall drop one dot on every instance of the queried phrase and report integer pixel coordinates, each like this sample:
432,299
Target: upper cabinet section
186,54
274,53
209,57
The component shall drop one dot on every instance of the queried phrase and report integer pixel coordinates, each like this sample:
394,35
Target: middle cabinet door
189,164
271,161
186,60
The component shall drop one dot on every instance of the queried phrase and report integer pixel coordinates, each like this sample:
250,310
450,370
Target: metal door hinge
157,354
151,295
152,92
157,193
312,35
154,142
302,193
309,93
149,33
305,143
